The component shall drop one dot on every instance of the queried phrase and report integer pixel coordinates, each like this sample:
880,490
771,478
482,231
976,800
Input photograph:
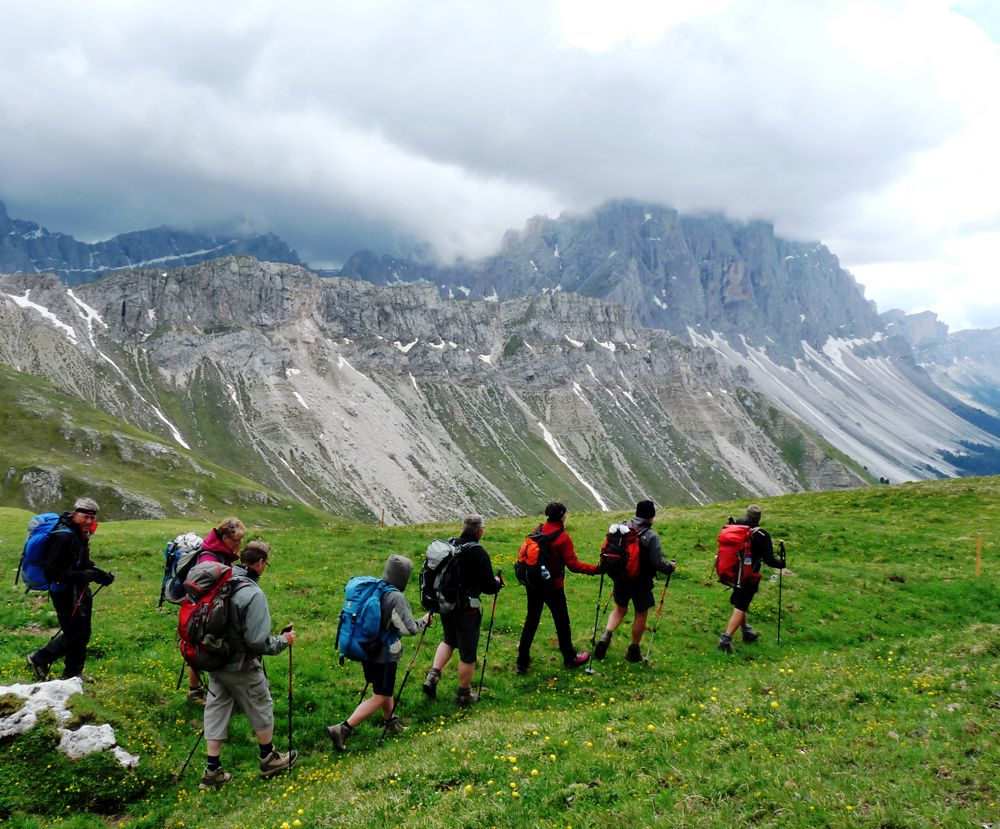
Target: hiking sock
347,727
213,763
265,751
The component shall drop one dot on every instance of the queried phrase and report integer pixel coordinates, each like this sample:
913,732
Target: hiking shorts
382,676
247,689
742,596
639,593
461,631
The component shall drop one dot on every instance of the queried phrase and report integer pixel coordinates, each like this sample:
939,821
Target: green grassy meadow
879,708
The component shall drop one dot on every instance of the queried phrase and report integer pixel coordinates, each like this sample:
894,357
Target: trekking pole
659,613
290,674
363,692
489,636
83,593
180,676
593,638
781,549
194,748
406,676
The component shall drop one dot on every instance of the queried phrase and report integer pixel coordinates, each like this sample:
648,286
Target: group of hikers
221,564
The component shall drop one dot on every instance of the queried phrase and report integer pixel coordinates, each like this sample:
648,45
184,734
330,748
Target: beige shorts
247,689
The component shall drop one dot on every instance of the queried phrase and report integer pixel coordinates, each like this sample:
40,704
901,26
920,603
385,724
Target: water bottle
546,575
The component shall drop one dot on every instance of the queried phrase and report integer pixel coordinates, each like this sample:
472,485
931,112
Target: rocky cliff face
672,272
26,247
360,398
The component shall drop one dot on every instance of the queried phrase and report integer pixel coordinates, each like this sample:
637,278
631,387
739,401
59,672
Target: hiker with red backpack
543,574
752,545
461,625
67,572
633,582
241,680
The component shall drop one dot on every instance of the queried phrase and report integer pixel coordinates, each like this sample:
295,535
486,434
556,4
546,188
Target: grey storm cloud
346,125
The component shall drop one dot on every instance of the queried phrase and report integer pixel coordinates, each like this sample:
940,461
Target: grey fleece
396,613
250,623
651,544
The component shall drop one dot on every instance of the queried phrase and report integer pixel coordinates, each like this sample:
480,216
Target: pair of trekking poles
597,617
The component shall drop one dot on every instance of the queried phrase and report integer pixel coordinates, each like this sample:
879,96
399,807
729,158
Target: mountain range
599,359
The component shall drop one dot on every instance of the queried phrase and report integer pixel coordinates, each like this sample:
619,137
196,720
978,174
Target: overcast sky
871,126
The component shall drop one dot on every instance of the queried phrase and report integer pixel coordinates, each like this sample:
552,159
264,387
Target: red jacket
215,550
562,555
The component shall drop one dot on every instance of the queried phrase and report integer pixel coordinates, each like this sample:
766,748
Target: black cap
645,509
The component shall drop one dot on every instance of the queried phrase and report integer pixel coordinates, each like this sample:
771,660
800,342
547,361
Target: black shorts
382,676
640,593
742,596
461,631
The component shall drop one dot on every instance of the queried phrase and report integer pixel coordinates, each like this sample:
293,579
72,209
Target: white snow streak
24,302
571,341
557,451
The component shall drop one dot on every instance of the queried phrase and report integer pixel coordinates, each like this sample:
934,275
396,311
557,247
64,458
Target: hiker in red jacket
561,556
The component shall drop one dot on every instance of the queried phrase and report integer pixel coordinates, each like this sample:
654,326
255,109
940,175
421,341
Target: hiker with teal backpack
461,614
633,581
743,545
57,559
375,616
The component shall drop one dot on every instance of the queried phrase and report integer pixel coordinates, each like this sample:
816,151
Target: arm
60,558
654,553
257,628
401,617
763,549
565,544
480,576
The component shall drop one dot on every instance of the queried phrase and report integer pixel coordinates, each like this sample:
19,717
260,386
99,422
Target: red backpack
734,562
204,614
532,566
620,554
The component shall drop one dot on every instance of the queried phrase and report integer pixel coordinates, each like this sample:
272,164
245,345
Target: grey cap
397,571
753,513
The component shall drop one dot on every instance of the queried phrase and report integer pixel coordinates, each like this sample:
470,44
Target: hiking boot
86,679
601,648
578,660
633,654
749,634
520,668
214,778
726,644
38,668
339,734
465,697
197,695
431,683
394,725
276,762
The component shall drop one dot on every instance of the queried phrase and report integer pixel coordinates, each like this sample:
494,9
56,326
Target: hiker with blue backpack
57,558
462,622
375,617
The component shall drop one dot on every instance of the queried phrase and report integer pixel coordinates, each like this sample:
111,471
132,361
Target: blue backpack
31,568
359,634
179,557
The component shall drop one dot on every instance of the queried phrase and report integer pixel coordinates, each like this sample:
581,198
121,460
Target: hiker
380,668
561,556
70,572
460,628
222,544
242,680
639,590
761,550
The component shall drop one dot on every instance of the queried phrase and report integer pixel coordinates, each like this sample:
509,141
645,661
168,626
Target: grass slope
880,707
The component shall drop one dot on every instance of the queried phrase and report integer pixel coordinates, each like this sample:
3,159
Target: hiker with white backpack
634,582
